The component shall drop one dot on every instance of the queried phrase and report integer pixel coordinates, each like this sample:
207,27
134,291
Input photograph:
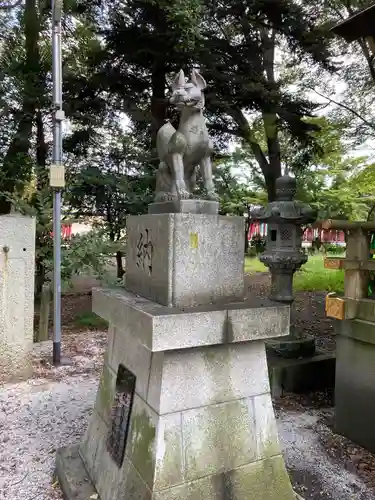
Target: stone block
201,489
265,427
110,339
17,262
169,470
218,438
106,393
132,485
160,328
71,473
222,373
141,444
355,382
361,330
129,352
265,479
253,482
315,373
89,445
265,320
185,259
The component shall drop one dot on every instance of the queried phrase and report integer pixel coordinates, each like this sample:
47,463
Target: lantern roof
359,25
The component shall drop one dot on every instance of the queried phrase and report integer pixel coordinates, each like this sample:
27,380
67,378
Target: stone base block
355,382
185,259
76,484
161,328
185,414
185,207
72,475
301,375
292,347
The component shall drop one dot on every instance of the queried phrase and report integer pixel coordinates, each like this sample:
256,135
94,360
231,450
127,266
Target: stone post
17,261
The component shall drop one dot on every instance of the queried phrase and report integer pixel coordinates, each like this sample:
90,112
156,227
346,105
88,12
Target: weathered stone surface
263,321
161,328
262,480
134,355
265,479
361,330
218,438
71,473
355,382
222,373
193,206
140,449
106,393
265,427
90,442
185,260
253,482
17,262
169,470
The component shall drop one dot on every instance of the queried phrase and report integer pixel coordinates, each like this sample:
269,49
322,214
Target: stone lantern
284,255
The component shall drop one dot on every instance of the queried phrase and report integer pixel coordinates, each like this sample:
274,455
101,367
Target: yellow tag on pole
194,240
57,176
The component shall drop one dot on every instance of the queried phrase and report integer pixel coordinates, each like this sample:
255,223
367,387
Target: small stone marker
17,263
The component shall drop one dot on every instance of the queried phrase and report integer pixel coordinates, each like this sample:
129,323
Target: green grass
312,276
90,320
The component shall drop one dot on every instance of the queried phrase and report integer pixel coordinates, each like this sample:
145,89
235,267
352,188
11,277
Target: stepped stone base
201,421
183,410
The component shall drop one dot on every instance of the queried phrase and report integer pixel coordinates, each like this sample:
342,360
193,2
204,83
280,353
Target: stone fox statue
181,151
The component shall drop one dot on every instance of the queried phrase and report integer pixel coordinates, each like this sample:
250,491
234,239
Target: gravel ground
52,409
38,416
317,475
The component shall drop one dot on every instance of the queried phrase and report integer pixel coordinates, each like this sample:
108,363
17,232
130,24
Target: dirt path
309,314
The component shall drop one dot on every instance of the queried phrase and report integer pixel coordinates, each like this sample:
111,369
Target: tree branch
7,6
348,108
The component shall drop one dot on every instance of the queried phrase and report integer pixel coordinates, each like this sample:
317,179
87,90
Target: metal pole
58,117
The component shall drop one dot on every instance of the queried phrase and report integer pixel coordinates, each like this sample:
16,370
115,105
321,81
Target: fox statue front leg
179,176
206,171
165,187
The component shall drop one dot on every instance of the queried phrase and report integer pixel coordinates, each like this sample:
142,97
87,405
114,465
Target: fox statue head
188,93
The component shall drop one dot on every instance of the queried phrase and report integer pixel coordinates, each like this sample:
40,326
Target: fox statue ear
198,79
179,80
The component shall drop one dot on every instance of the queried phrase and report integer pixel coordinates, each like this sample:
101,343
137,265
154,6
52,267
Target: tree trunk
40,276
120,267
158,100
17,166
247,229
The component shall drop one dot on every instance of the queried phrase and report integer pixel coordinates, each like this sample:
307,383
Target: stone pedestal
355,378
183,410
185,260
17,262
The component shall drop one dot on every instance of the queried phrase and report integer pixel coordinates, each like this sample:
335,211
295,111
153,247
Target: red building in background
325,235
66,231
